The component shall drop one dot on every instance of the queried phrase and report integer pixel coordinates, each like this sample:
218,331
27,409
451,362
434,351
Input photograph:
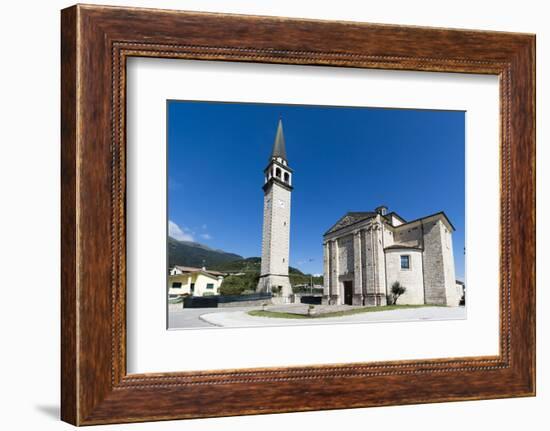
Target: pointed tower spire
277,189
279,149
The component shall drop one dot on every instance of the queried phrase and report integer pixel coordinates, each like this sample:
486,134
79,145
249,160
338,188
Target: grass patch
283,315
266,313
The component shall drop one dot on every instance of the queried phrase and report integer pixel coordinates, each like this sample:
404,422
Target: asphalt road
190,317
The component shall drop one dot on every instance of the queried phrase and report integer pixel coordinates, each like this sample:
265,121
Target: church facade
276,224
365,253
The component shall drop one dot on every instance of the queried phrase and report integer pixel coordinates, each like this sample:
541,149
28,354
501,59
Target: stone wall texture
276,239
439,272
411,279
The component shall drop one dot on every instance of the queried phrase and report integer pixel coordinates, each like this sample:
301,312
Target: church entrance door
348,292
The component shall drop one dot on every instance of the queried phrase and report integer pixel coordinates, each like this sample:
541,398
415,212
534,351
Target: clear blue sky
344,159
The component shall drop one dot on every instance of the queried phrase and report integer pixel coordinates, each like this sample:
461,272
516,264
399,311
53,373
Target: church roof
351,218
402,247
279,149
389,215
438,214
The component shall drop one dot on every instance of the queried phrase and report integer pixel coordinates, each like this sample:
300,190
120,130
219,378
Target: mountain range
188,253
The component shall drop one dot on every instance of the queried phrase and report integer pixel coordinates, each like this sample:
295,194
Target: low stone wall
226,301
283,299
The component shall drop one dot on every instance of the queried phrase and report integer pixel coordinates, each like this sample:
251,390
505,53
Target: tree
238,284
397,290
232,285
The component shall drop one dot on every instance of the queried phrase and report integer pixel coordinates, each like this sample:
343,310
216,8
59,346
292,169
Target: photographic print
301,214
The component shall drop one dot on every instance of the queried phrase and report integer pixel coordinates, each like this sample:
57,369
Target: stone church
366,252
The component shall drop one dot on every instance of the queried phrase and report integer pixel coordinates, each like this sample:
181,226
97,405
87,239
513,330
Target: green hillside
249,264
186,253
245,271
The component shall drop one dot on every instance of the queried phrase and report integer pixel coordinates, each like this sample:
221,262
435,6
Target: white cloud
206,236
177,233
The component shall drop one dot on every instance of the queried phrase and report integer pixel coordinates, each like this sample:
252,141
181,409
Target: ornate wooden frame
95,43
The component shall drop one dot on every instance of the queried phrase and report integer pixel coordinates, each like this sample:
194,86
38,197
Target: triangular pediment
349,219
345,221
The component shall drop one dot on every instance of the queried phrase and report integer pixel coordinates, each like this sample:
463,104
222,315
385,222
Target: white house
365,253
461,290
187,280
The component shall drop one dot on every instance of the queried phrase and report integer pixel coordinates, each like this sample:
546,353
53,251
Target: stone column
370,298
335,272
382,287
326,272
375,263
378,270
364,265
357,270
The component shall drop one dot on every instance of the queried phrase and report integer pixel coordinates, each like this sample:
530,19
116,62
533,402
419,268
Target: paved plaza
238,317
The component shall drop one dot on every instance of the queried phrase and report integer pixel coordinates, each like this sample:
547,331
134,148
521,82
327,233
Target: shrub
397,290
301,279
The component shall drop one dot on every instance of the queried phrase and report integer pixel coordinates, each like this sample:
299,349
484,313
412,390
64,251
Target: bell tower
276,228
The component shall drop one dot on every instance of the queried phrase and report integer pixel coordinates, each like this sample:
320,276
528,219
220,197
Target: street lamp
311,279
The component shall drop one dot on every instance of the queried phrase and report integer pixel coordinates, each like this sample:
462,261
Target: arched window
287,177
278,173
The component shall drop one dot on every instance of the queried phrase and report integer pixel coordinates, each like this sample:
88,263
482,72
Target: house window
176,285
405,261
278,173
192,288
210,285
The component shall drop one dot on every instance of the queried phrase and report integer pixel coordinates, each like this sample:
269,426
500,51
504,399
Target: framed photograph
259,208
